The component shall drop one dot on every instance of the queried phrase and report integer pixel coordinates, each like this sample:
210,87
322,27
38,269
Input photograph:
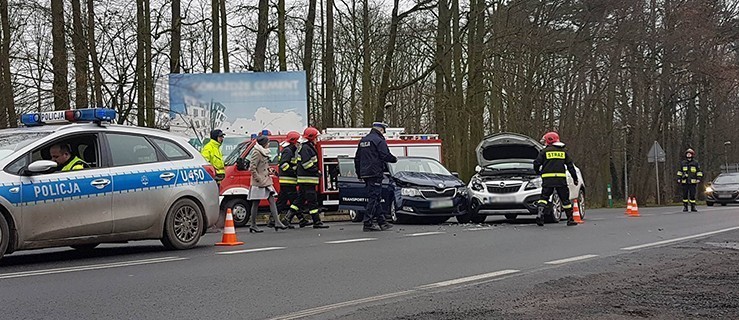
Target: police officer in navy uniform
689,175
370,163
551,164
289,160
62,155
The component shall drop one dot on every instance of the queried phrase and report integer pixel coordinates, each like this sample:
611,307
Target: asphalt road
339,272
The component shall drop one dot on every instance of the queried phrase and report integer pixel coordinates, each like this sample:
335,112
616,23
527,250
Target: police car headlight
533,184
410,192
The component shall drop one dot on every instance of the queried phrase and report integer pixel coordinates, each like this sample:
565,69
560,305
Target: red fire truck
332,145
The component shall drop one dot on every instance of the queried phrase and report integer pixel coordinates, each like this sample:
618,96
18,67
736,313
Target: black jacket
551,164
372,156
288,165
308,171
690,172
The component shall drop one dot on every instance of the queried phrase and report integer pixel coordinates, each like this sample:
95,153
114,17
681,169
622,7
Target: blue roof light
31,119
265,132
253,135
68,116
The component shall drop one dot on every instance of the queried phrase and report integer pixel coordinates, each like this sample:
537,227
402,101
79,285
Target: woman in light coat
261,184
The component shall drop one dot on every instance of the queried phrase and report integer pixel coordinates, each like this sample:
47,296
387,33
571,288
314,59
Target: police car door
142,182
68,204
352,191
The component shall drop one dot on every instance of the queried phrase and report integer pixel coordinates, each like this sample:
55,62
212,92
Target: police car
106,183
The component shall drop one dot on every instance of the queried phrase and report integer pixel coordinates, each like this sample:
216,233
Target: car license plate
502,199
442,204
724,196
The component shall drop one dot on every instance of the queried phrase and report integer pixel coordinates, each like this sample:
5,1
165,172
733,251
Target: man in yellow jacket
212,153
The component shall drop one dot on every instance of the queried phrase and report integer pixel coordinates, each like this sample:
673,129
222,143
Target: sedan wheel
397,217
183,226
581,203
356,216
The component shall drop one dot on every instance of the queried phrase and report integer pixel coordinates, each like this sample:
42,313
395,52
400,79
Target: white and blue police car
87,181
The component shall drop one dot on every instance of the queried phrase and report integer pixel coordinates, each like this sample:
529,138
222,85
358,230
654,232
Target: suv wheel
239,210
557,212
4,236
183,225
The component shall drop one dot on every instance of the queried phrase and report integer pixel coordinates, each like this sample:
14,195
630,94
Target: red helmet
311,134
691,152
550,138
293,137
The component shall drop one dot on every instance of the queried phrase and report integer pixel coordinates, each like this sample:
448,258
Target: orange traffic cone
576,212
635,209
629,207
229,232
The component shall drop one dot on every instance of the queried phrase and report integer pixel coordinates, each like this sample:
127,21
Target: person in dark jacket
309,176
288,166
550,164
689,175
370,163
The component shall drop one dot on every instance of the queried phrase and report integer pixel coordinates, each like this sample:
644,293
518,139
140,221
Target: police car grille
494,189
446,193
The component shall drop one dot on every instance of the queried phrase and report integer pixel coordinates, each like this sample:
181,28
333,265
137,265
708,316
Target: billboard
240,104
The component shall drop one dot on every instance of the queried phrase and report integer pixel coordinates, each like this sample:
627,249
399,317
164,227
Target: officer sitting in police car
62,155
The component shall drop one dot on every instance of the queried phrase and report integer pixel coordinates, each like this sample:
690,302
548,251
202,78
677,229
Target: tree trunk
150,114
441,74
60,87
476,86
387,65
7,110
224,37
328,109
216,36
308,52
175,48
367,105
97,77
281,35
80,57
260,51
140,80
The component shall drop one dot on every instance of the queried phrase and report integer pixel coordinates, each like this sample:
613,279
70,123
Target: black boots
692,207
540,217
685,207
372,227
570,219
317,224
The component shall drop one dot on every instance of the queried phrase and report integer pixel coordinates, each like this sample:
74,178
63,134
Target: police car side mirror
40,166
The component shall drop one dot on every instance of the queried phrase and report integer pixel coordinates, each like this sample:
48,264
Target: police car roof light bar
97,115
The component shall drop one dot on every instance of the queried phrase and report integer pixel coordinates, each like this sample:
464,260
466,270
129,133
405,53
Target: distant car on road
506,183
139,184
416,190
723,190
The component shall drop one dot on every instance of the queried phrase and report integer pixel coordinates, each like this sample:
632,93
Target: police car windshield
11,142
418,165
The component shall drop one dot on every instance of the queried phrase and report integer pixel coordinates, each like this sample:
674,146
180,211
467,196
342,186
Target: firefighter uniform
689,175
308,179
289,159
550,164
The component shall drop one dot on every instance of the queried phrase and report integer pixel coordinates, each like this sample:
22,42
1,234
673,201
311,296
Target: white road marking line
331,307
578,258
424,234
467,279
478,229
350,240
251,250
88,267
658,243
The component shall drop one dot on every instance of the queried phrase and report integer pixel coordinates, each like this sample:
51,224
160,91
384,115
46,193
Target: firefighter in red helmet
288,166
309,176
689,175
552,164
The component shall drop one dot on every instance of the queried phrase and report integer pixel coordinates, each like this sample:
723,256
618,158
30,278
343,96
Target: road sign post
610,196
656,154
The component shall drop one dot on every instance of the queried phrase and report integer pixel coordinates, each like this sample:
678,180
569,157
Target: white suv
506,184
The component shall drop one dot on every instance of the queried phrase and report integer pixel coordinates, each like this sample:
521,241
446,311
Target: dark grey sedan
723,190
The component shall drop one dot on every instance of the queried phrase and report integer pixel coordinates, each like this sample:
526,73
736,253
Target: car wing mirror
455,174
241,164
40,166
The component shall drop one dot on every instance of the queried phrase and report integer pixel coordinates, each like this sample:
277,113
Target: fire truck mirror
242,164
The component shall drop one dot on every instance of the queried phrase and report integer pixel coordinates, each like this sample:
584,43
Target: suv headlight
410,192
533,184
477,185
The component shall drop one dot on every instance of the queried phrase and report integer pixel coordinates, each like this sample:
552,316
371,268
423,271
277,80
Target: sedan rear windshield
12,142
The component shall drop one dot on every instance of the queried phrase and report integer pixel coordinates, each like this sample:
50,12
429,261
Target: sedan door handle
100,183
167,176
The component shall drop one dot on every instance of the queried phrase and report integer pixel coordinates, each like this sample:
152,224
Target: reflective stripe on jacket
212,153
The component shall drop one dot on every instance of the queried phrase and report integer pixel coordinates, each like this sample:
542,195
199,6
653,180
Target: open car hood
504,147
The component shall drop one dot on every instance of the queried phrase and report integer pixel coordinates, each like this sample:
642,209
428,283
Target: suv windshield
11,142
727,179
418,165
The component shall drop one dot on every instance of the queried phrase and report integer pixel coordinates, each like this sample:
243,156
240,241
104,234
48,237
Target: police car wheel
240,210
4,236
183,226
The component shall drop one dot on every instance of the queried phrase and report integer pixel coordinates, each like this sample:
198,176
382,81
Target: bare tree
260,50
97,77
81,66
215,6
176,47
59,59
7,111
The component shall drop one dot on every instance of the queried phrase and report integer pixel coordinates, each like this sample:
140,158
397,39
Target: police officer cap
262,140
379,125
216,133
